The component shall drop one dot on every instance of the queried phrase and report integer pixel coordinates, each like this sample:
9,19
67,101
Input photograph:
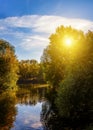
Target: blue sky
27,24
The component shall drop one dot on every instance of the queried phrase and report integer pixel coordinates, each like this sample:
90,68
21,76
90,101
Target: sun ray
68,41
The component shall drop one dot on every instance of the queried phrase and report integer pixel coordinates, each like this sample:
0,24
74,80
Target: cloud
32,31
27,21
45,23
35,41
2,27
36,125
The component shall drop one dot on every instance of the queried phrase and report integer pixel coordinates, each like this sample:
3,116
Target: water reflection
7,110
30,96
28,118
31,108
28,103
48,115
51,120
21,110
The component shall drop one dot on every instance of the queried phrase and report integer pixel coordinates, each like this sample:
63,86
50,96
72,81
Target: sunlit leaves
30,70
8,66
57,55
71,67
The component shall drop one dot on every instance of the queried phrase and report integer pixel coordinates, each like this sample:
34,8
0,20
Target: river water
28,117
21,111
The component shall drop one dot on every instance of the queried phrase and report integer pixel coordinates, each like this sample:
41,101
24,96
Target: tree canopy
68,65
56,56
30,71
8,66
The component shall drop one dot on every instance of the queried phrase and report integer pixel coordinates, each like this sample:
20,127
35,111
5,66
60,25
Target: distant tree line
13,71
30,71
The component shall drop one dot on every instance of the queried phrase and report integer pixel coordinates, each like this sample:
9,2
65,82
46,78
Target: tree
55,57
8,66
29,70
68,64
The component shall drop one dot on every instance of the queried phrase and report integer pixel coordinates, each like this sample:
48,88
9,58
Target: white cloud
45,23
36,125
2,28
27,21
35,41
48,24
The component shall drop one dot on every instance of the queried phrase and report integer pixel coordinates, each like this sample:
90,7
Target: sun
68,41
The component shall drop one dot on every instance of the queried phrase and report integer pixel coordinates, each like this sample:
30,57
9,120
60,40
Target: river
21,111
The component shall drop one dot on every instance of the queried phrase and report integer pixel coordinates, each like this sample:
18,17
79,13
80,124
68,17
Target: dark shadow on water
7,110
51,120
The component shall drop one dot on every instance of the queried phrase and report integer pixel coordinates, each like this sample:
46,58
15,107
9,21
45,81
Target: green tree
29,70
68,63
75,92
8,66
55,57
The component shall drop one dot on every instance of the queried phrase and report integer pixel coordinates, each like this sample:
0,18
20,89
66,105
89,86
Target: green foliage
71,68
8,66
30,70
89,127
55,57
75,92
52,67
